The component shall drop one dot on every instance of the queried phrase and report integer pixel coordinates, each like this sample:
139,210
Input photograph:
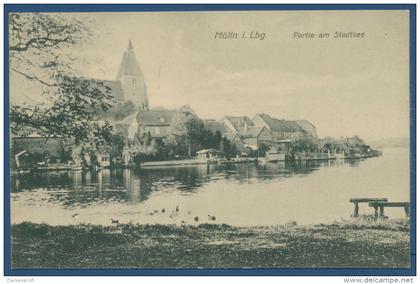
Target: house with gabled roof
281,129
238,124
156,122
227,132
257,136
128,126
308,127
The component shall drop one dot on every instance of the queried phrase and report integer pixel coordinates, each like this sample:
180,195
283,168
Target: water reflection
124,185
237,193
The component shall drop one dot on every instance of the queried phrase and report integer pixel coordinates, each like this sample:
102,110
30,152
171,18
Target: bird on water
212,218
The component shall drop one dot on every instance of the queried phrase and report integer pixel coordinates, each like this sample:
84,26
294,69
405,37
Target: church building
130,86
132,79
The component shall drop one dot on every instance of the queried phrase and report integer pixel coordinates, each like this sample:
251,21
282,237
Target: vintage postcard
211,139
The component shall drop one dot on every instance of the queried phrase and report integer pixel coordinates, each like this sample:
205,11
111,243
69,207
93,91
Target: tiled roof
253,132
230,135
307,126
123,126
239,122
280,124
128,120
155,117
305,123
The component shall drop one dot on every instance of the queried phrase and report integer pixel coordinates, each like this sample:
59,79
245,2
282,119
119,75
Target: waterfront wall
177,163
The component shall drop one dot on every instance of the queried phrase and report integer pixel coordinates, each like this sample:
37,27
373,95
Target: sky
344,86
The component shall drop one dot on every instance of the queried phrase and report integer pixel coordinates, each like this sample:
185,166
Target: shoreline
188,162
347,244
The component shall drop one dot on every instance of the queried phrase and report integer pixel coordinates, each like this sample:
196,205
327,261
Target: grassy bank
345,244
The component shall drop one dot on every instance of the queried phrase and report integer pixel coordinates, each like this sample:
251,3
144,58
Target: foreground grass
357,244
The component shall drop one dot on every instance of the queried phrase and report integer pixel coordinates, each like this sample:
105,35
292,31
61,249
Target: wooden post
356,209
407,211
381,211
373,202
383,204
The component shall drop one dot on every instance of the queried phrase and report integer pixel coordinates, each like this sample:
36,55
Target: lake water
242,194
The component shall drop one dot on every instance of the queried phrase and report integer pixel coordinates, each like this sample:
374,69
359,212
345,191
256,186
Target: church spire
132,79
129,64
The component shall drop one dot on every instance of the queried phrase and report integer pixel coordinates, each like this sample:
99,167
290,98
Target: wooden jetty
356,202
382,204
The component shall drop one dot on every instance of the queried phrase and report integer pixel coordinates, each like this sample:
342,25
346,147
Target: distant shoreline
393,147
390,143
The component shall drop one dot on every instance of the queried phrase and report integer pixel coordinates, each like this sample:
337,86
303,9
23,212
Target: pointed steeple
132,79
129,64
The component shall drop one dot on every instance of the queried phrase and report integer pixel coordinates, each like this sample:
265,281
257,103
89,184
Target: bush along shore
351,244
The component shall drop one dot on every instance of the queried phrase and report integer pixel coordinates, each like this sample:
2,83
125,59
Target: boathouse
210,154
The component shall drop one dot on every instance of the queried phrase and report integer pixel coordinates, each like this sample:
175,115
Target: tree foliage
148,148
346,144
71,115
123,110
189,134
305,145
262,150
118,141
183,133
36,44
354,141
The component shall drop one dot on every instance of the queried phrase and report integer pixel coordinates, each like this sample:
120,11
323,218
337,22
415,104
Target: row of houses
241,130
262,129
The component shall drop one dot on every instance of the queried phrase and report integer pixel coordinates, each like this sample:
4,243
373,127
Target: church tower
132,79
